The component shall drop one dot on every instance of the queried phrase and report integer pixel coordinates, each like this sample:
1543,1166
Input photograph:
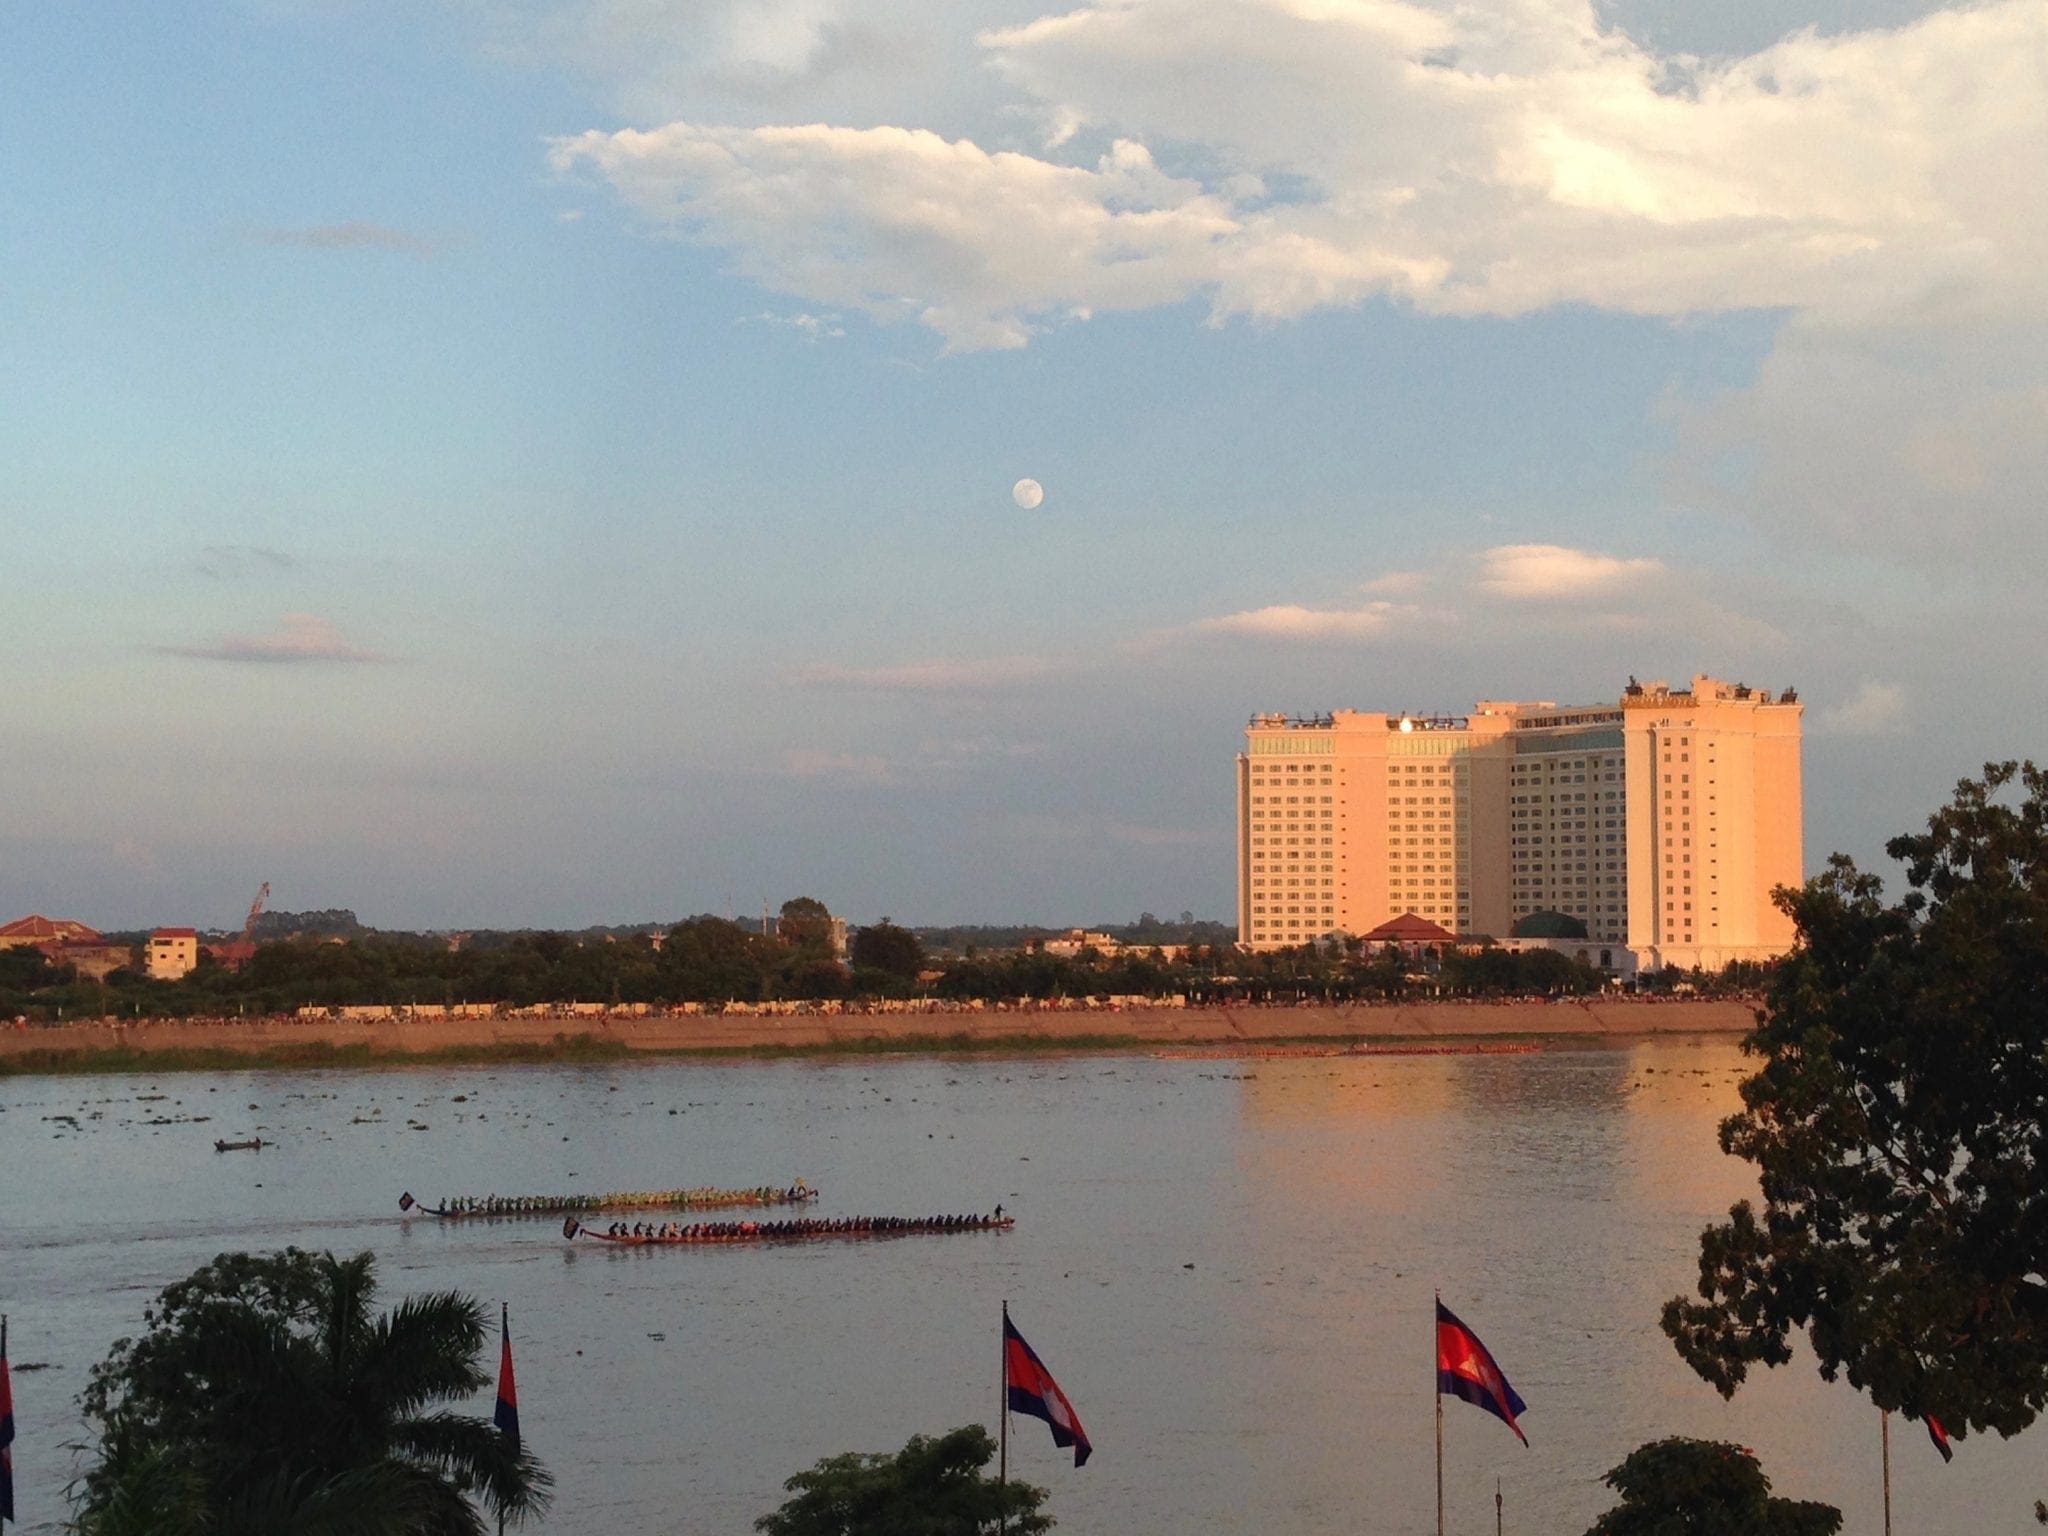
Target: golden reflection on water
1556,1199
1552,1198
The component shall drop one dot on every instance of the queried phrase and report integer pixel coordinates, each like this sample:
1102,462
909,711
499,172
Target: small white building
171,953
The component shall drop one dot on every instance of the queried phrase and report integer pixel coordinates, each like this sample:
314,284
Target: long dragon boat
796,1229
459,1207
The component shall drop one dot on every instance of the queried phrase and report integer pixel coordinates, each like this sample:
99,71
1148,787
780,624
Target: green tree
713,960
932,1487
885,947
1682,1487
1900,1127
805,924
265,1397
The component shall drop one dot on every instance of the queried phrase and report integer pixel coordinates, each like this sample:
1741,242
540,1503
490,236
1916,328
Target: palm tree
266,1398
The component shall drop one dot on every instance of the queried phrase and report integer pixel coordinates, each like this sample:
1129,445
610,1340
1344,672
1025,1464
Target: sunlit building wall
1714,821
1478,821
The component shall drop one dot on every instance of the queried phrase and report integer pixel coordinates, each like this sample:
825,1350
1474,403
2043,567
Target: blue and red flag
506,1417
6,1431
1465,1369
1940,1438
1030,1389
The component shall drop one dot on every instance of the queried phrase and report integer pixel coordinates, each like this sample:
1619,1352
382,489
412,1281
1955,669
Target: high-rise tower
1661,822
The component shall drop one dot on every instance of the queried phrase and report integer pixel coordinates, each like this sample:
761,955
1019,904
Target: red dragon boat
796,1230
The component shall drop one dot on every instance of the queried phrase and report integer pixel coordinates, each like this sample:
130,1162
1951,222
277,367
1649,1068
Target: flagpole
504,1333
3,1366
1499,1529
1439,1426
1885,1430
1003,1420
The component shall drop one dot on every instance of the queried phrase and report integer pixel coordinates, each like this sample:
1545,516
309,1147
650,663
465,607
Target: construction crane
255,911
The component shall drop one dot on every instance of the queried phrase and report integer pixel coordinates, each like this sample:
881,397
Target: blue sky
548,461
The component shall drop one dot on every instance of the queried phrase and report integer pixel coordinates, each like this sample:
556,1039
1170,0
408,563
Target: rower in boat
700,1197
747,1231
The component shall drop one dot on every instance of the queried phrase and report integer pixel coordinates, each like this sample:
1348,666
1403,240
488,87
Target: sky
548,462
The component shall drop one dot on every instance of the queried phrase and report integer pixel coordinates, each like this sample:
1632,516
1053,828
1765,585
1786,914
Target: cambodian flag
507,1415
1465,1368
1934,1432
6,1433
1032,1390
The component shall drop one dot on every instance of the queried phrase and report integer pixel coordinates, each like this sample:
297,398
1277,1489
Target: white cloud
299,637
1875,709
1396,584
1555,570
810,327
1291,621
1467,159
753,62
900,223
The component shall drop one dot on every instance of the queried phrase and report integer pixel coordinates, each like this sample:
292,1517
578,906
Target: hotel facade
1662,822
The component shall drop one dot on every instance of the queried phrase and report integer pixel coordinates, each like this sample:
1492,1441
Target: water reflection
1228,1266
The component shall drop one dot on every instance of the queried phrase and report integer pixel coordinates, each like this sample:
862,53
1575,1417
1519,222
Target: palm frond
475,1455
383,1500
424,1350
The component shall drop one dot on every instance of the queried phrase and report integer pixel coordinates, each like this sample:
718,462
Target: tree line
714,960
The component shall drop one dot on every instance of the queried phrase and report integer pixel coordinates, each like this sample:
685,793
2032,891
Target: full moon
1027,494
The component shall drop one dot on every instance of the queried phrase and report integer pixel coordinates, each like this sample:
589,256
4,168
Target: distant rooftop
1538,714
1409,929
35,928
1660,694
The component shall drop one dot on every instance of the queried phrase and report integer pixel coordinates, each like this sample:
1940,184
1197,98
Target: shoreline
1406,1028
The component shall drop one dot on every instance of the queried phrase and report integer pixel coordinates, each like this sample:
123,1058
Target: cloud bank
1276,156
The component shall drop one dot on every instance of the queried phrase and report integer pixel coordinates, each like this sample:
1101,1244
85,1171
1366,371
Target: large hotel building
1661,822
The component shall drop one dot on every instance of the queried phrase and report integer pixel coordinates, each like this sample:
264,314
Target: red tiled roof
1410,929
36,926
174,933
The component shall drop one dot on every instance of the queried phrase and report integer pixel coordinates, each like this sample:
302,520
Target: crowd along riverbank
166,1045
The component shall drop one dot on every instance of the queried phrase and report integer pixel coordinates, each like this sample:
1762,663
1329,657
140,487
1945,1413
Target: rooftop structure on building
37,929
1075,940
170,953
1662,821
1409,932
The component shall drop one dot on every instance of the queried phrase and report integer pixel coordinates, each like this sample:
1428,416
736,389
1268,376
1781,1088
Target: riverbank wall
1023,1029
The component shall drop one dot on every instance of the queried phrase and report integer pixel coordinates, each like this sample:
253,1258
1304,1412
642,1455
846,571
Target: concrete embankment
1138,1028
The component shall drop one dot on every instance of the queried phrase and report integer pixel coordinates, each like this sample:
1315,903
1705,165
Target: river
1228,1265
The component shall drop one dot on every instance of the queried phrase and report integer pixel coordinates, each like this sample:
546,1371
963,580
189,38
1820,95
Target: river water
1228,1266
